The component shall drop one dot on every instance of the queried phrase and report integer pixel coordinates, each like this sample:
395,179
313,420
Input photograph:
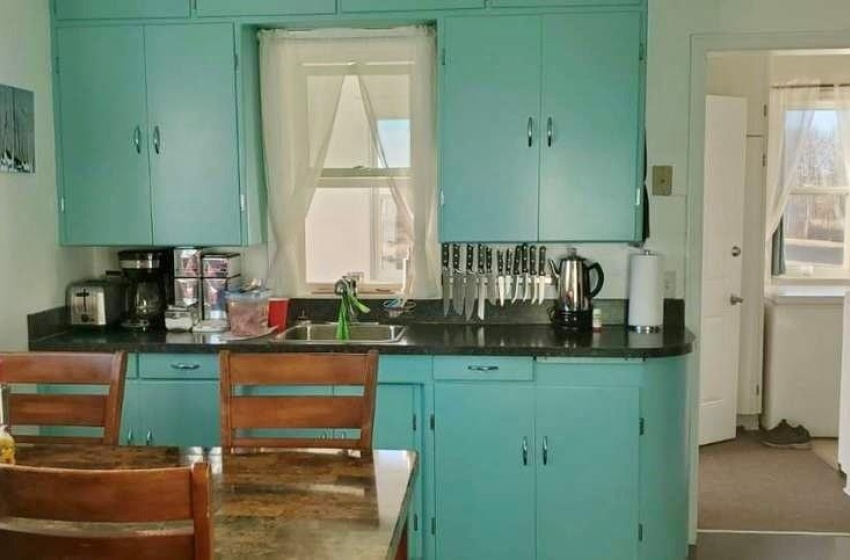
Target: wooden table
280,504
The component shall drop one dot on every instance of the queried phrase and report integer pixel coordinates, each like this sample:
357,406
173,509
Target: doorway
755,317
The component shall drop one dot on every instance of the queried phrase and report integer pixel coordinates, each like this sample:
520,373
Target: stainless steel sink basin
360,333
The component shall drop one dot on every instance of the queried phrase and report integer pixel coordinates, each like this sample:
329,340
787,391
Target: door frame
701,46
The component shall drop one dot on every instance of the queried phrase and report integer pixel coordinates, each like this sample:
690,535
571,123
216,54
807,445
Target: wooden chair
240,413
45,410
36,498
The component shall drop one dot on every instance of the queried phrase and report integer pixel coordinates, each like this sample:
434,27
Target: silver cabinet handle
156,140
525,451
137,139
483,368
736,251
530,131
130,437
546,450
149,438
180,366
549,131
735,300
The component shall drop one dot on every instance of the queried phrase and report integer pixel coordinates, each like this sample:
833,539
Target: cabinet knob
530,131
137,139
483,368
149,438
130,437
735,299
546,450
525,451
185,367
549,131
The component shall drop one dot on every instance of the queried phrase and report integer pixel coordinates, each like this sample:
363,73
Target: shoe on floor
784,436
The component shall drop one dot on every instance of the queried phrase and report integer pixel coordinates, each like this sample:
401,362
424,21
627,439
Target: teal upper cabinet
106,9
490,120
591,104
405,5
102,135
484,465
546,3
264,7
149,145
541,134
193,136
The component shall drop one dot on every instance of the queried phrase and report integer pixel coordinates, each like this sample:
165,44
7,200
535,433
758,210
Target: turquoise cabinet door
102,9
264,7
402,5
587,472
192,134
544,3
183,413
103,147
490,129
484,438
591,97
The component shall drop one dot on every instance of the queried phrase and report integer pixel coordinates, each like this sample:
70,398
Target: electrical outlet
669,284
662,180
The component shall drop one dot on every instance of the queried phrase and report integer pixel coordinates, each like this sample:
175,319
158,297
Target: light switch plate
662,180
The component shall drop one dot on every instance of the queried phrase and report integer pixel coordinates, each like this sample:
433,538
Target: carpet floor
745,486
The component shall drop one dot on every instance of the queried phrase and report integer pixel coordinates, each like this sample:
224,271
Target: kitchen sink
360,333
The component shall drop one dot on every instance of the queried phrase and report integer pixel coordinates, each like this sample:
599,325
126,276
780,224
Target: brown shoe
784,436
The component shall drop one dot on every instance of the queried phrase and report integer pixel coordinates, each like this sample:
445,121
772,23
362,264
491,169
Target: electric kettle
574,306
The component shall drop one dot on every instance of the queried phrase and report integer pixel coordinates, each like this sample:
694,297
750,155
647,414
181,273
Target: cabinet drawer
484,368
264,7
178,366
107,9
402,5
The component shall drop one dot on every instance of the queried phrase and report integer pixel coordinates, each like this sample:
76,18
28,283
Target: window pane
351,141
395,139
354,229
814,229
821,163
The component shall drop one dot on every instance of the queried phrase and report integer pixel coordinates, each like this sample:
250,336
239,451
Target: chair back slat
52,410
60,368
241,413
31,495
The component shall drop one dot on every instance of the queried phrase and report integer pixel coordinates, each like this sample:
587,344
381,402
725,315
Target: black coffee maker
148,277
573,309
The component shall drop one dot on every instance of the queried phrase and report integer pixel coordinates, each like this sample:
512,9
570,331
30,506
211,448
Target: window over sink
348,119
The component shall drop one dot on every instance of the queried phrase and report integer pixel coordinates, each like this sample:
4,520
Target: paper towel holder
659,314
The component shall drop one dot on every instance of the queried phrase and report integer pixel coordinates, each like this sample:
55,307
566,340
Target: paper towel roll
646,292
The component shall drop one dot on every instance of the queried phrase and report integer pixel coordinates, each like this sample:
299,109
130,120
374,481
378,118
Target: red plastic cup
278,309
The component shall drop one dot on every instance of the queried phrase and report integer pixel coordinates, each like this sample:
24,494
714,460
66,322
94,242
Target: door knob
736,251
735,300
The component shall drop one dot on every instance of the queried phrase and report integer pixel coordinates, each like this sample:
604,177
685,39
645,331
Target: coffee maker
148,276
573,309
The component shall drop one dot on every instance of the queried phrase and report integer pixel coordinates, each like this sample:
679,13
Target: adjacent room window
815,218
348,124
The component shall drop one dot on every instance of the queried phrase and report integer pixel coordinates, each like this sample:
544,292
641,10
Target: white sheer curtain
302,75
792,109
842,104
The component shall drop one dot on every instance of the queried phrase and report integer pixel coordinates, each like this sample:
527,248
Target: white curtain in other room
302,74
791,112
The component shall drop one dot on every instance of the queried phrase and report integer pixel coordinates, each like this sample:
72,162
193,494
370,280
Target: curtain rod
810,86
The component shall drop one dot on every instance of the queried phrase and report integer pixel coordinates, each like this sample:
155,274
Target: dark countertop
280,504
613,341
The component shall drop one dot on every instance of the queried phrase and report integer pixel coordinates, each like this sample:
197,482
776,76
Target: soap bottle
7,442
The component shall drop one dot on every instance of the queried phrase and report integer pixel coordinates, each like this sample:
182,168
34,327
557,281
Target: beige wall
33,269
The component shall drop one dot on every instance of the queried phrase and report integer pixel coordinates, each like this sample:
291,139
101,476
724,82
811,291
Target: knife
526,281
500,265
541,261
447,279
457,281
517,277
532,271
482,280
471,284
491,278
508,278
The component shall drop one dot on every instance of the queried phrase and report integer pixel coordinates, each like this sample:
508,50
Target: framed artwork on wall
17,130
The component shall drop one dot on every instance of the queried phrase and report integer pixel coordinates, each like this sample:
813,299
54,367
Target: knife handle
517,257
470,258
489,252
542,260
455,257
500,262
524,249
508,261
482,254
446,256
532,260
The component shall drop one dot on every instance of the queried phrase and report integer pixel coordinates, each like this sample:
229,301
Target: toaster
96,303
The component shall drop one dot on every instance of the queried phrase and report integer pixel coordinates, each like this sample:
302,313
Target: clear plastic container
248,312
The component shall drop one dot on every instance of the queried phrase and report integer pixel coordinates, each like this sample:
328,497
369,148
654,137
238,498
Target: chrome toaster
96,303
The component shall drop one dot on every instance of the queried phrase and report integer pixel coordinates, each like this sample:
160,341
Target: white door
722,238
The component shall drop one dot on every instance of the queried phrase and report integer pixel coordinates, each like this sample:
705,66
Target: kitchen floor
769,546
